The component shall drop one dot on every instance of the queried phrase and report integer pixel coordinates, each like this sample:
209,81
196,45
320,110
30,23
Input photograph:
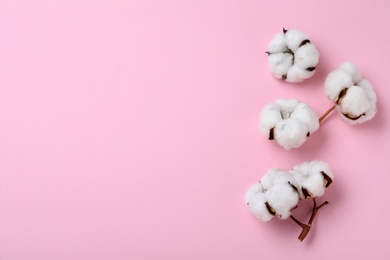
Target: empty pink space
129,129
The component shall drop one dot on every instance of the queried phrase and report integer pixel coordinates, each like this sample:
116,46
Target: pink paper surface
129,129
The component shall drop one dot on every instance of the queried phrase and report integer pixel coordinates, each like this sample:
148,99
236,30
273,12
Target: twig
306,227
327,113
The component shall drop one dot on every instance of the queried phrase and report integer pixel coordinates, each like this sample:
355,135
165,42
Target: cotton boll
294,38
312,178
320,167
352,70
288,121
282,198
257,206
354,97
335,82
280,63
290,133
304,113
307,56
314,185
292,57
278,44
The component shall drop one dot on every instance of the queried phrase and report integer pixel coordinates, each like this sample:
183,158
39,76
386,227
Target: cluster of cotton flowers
288,121
354,97
278,192
292,56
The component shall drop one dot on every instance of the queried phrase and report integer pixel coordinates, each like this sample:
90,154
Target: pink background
128,129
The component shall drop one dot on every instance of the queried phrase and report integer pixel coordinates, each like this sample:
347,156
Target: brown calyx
306,193
271,134
327,180
341,96
270,209
353,117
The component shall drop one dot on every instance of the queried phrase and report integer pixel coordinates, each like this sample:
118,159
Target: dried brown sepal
352,117
289,52
268,53
308,134
284,77
327,180
271,134
270,209
284,30
310,68
304,42
341,96
294,188
306,193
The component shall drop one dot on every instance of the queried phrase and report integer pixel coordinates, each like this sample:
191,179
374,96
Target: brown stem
327,113
315,210
306,227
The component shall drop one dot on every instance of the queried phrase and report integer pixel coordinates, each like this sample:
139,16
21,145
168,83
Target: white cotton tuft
257,206
354,97
270,115
254,189
280,63
304,113
336,82
307,56
352,70
276,176
278,44
313,178
287,106
355,102
371,95
255,200
292,56
282,198
290,133
288,121
298,74
294,38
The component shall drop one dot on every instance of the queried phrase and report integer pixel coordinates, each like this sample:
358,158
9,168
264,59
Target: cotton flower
313,178
354,97
279,197
292,56
288,121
